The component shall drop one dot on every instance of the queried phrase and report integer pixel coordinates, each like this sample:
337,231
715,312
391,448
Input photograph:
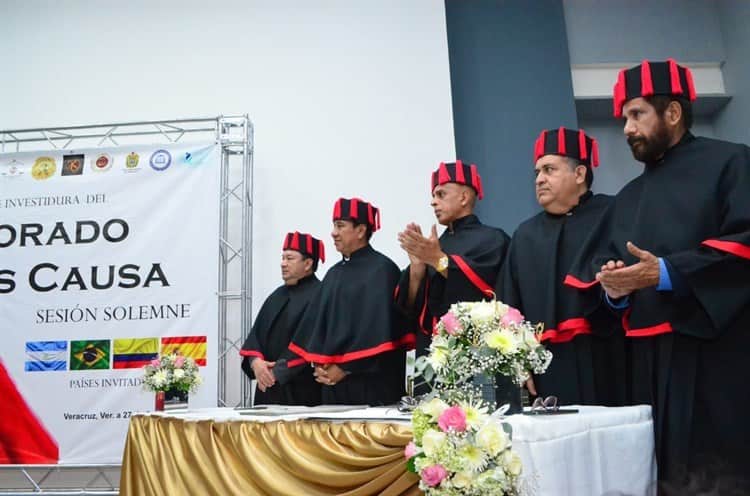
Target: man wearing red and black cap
282,378
462,264
675,259
588,365
353,333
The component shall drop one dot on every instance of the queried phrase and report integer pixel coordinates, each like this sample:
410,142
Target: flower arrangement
486,337
458,449
171,372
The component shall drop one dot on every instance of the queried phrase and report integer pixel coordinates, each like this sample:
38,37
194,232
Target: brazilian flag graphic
88,355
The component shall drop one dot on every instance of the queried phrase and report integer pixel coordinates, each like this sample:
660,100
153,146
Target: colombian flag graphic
134,353
189,346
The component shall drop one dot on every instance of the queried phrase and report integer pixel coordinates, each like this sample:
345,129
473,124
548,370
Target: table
360,452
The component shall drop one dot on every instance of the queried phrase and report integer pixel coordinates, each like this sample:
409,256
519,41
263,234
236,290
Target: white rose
498,474
432,441
502,308
179,374
434,408
513,463
529,338
438,342
482,312
462,479
492,438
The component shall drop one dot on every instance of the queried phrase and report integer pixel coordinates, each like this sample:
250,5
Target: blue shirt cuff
665,283
620,304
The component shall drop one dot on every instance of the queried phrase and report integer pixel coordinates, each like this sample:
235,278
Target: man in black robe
353,332
282,377
461,265
677,264
588,364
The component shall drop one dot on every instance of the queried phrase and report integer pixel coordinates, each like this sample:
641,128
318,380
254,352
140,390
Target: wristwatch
442,264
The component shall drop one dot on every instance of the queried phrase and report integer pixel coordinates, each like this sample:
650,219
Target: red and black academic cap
458,172
653,78
357,211
305,244
573,143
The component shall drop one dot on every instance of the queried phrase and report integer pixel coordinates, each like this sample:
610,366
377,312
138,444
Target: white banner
108,257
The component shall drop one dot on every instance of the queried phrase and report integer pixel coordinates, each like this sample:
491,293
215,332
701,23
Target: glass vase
175,399
509,393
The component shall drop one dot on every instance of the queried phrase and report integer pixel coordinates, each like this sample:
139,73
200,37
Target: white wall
347,97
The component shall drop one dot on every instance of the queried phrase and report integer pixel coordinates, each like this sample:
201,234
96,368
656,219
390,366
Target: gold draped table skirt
173,456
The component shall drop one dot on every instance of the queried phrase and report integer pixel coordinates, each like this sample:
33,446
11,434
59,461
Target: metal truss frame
36,477
235,134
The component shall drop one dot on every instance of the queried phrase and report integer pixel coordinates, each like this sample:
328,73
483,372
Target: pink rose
512,316
410,450
433,475
452,418
179,361
451,323
155,363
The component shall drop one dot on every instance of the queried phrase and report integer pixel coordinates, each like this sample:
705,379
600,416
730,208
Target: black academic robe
354,323
690,346
276,324
587,344
475,254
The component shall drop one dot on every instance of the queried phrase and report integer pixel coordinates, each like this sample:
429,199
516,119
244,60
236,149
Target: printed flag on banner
89,354
45,356
134,353
190,346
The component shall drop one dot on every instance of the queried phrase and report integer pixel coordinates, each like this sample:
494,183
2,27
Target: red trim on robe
408,341
424,309
566,330
644,332
290,364
472,276
577,283
252,353
742,251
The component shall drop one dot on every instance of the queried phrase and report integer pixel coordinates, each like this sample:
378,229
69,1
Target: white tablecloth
598,451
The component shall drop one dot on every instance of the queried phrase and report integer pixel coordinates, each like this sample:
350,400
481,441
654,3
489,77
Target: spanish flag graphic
189,346
89,354
134,353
